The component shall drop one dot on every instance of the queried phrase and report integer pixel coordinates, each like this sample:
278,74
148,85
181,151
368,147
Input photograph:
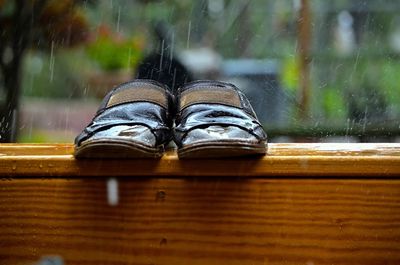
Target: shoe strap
209,95
138,92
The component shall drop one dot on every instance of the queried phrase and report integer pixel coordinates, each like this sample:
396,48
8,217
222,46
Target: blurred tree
25,24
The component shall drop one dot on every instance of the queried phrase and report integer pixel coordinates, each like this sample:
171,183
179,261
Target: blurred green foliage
115,54
334,105
290,73
61,74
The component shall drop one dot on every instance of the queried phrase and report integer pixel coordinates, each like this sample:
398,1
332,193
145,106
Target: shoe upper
140,110
215,111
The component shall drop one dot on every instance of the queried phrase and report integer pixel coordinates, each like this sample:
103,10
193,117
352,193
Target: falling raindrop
174,78
119,18
188,34
129,57
365,119
171,53
162,54
52,60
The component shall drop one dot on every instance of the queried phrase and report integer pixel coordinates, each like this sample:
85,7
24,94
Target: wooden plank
208,221
362,160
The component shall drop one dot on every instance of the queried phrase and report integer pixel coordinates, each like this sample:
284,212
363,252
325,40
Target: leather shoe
133,121
215,119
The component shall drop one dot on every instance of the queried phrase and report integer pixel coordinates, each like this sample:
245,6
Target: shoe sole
222,150
106,148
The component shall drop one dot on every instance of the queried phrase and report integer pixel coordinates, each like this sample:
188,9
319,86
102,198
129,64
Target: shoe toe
136,133
217,134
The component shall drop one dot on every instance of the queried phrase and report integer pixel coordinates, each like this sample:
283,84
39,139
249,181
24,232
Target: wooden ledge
295,159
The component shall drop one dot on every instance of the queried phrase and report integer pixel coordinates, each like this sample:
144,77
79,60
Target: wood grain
362,160
208,221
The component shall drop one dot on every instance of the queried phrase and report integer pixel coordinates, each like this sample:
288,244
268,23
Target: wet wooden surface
201,221
169,211
295,159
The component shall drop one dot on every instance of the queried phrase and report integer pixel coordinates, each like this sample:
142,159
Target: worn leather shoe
133,121
215,119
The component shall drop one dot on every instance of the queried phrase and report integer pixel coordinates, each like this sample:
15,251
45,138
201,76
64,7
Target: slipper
133,121
215,119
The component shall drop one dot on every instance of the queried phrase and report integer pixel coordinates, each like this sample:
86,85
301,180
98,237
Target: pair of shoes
204,118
